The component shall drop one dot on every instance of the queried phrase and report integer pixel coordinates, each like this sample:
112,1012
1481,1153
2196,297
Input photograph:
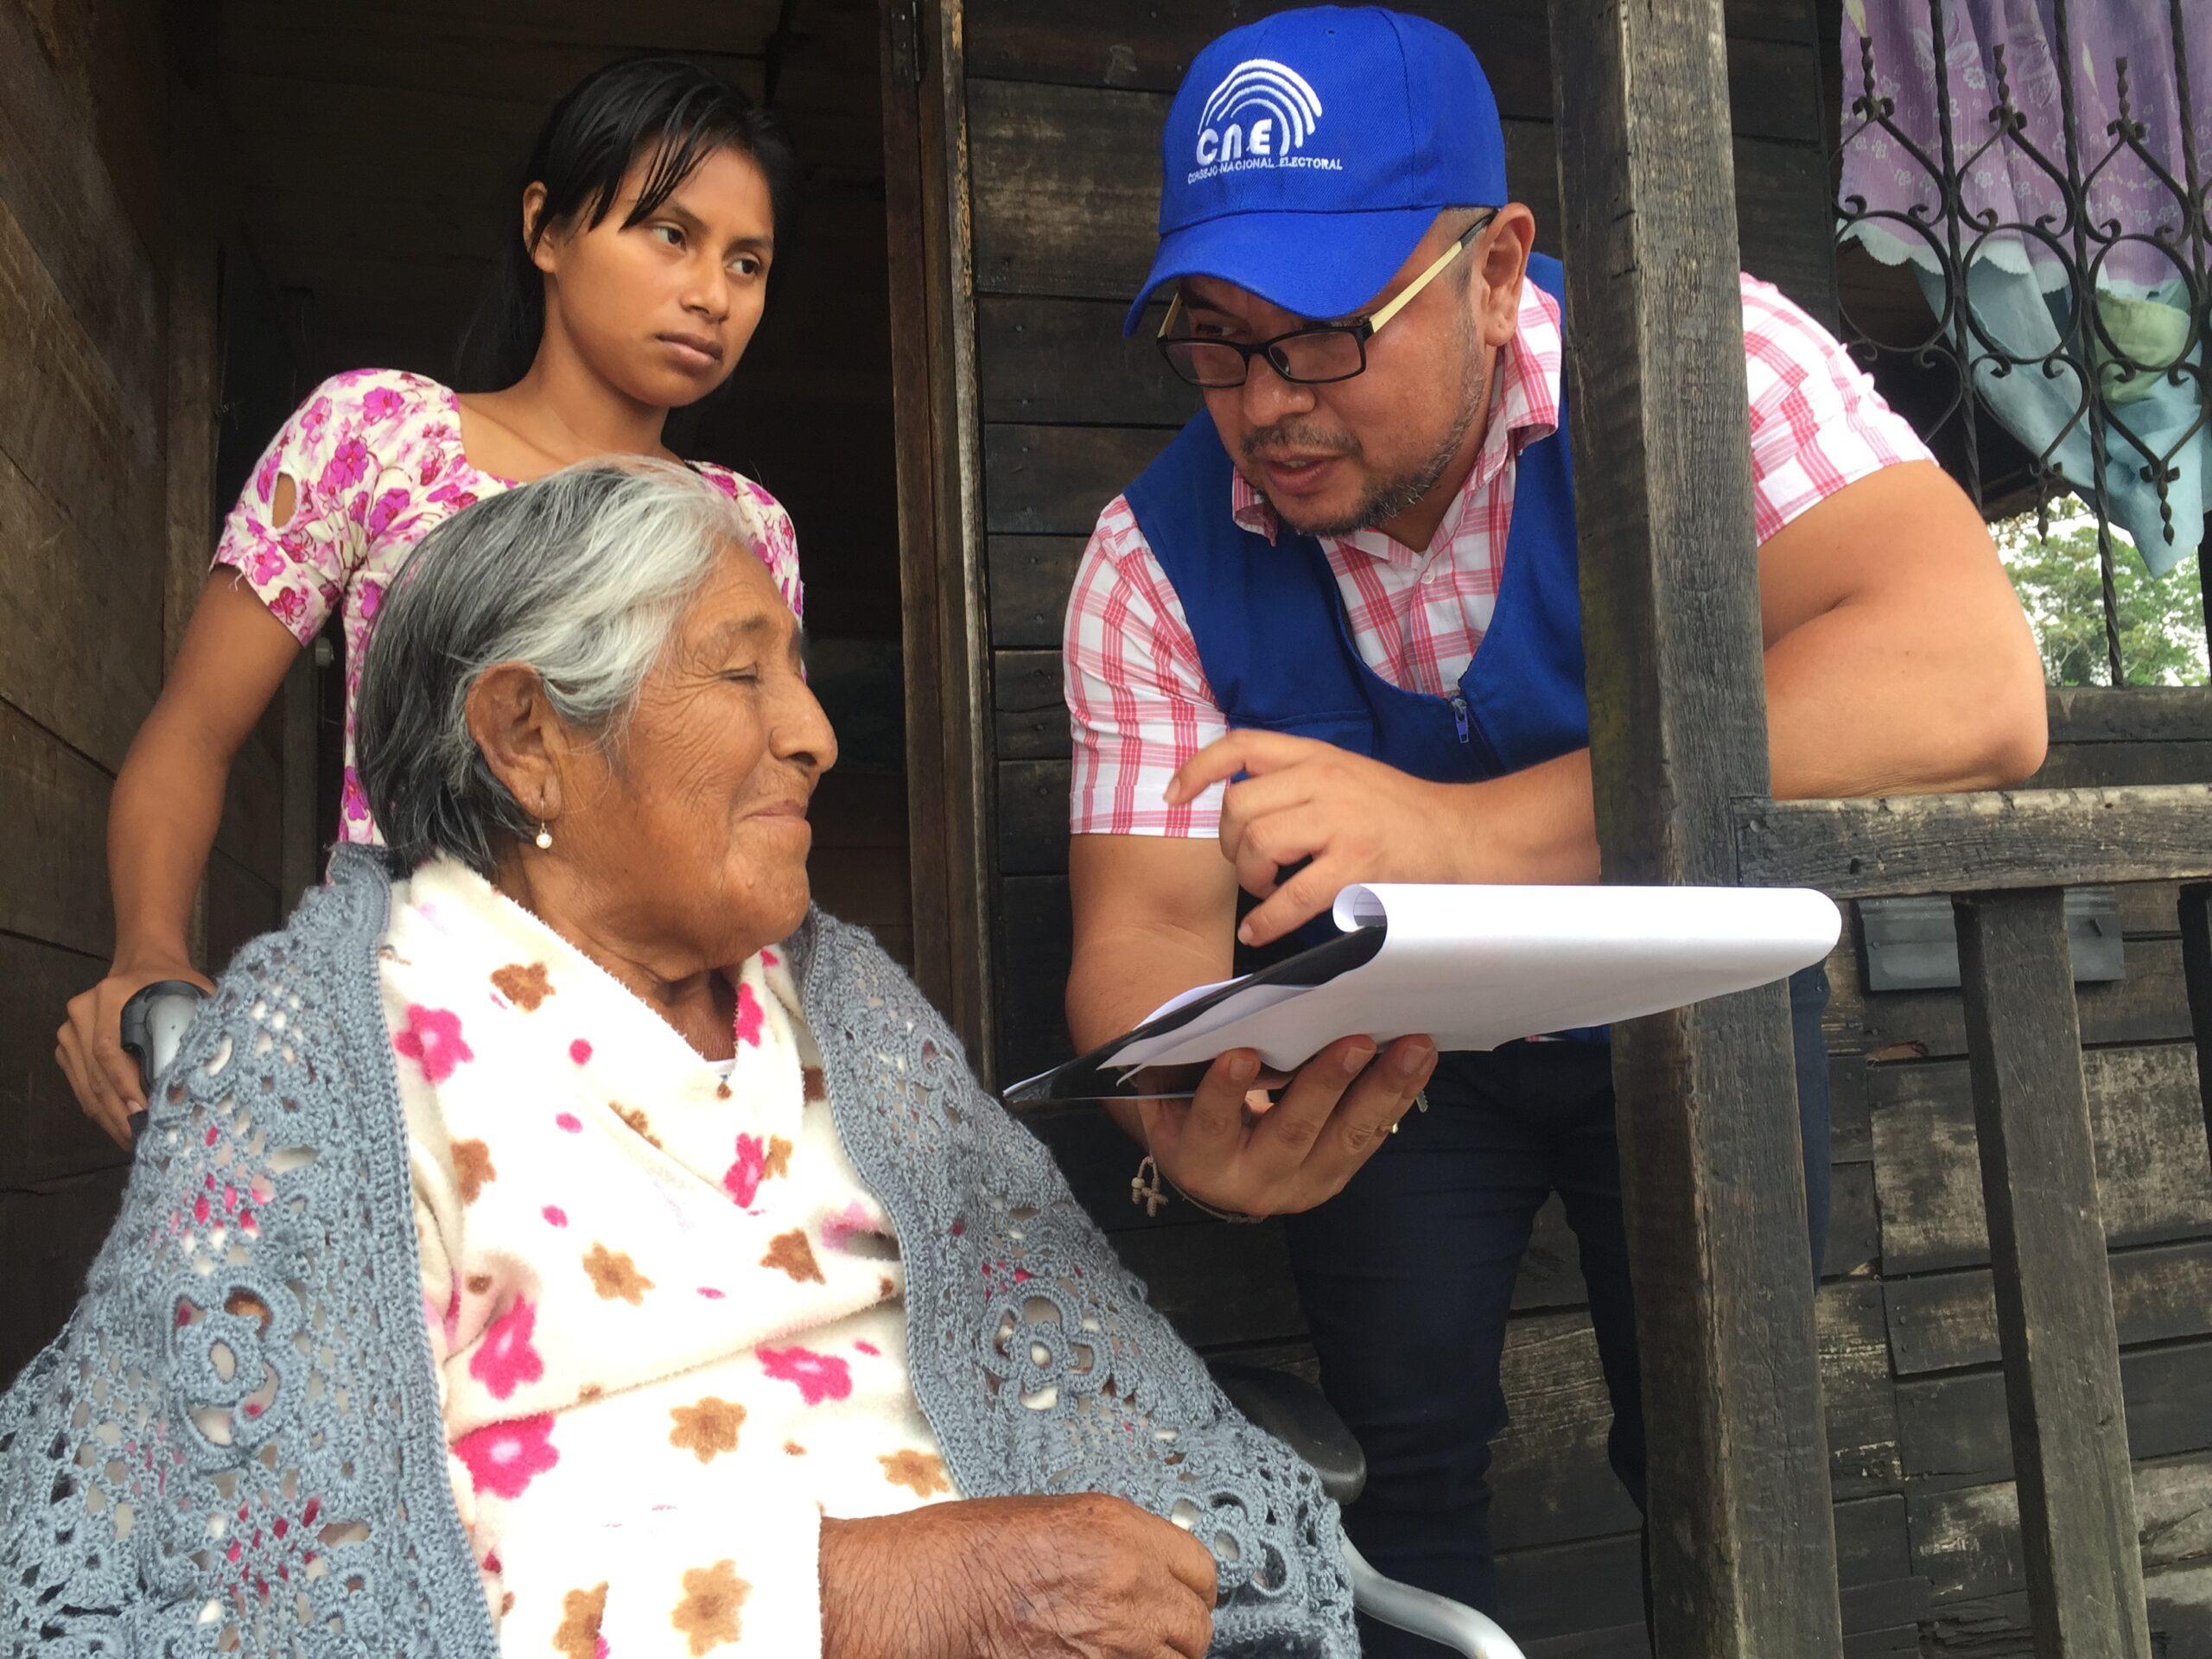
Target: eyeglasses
1312,356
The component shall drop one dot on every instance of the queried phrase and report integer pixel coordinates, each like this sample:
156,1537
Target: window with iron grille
2022,261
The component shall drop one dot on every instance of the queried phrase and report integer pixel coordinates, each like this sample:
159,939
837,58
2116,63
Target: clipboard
1473,967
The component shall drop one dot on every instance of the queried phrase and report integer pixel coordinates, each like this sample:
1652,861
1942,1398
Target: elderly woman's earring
545,837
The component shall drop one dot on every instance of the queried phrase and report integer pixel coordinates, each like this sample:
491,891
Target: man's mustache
1296,440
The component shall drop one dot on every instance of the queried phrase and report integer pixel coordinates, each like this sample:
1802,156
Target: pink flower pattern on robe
748,1017
741,1180
506,1359
502,1459
432,1039
838,1230
817,1376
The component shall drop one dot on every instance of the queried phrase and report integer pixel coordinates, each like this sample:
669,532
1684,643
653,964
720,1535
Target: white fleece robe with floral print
668,1319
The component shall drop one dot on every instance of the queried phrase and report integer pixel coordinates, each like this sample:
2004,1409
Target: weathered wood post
2054,1293
2196,900
2196,968
1743,1545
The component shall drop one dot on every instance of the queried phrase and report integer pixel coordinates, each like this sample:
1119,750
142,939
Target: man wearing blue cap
1333,635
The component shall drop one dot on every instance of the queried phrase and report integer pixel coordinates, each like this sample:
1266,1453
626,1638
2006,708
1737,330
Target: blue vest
1278,651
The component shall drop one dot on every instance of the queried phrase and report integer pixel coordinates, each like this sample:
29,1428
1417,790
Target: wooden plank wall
107,299
1064,107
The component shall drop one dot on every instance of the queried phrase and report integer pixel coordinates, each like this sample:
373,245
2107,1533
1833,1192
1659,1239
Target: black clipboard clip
1094,1076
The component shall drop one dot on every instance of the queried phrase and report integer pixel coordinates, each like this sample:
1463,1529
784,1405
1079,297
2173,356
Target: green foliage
2161,619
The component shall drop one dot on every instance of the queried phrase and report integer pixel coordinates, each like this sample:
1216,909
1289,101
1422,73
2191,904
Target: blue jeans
1407,1275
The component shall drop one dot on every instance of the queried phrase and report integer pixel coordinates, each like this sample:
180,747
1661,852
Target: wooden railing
1743,1551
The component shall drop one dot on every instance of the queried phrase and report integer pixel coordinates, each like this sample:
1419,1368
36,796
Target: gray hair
582,575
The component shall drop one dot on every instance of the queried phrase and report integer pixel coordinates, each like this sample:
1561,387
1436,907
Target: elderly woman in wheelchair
560,1239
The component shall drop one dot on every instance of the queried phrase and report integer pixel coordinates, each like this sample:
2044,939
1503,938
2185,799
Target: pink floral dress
668,1319
376,462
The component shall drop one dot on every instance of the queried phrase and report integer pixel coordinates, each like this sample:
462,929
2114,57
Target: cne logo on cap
1260,115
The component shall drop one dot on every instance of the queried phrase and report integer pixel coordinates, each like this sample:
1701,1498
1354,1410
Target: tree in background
2161,619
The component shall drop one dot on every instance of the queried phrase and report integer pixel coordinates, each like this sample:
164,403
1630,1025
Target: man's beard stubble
1391,496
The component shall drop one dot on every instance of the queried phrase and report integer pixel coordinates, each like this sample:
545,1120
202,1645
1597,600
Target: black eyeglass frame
1360,330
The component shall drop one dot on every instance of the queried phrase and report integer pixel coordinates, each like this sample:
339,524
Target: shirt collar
1525,407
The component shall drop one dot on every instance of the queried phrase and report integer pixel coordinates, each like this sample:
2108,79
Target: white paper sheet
1474,967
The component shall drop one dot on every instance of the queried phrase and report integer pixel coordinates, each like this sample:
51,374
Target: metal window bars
1947,233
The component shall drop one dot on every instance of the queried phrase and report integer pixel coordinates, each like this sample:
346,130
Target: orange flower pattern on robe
918,1472
524,986
472,1167
707,1613
791,1253
639,1123
706,1428
581,1613
613,1273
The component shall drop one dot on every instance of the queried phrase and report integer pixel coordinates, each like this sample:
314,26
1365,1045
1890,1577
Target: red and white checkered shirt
1138,699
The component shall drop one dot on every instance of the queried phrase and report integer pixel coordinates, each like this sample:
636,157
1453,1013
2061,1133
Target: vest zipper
1460,715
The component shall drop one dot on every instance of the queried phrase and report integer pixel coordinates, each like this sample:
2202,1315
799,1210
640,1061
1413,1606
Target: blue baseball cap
1307,153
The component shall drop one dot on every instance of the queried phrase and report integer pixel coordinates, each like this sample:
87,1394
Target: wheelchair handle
153,1024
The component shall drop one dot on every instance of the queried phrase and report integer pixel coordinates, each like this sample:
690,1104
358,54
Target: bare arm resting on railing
1897,662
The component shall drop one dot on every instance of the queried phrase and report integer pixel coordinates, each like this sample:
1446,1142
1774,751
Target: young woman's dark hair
667,111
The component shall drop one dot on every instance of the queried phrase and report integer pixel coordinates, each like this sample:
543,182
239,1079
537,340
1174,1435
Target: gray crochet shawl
235,1445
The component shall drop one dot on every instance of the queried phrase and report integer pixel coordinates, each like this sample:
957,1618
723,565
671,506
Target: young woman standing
632,287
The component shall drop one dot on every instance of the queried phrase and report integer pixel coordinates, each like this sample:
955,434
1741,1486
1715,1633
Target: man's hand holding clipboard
1325,1121
1449,965
1245,1141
